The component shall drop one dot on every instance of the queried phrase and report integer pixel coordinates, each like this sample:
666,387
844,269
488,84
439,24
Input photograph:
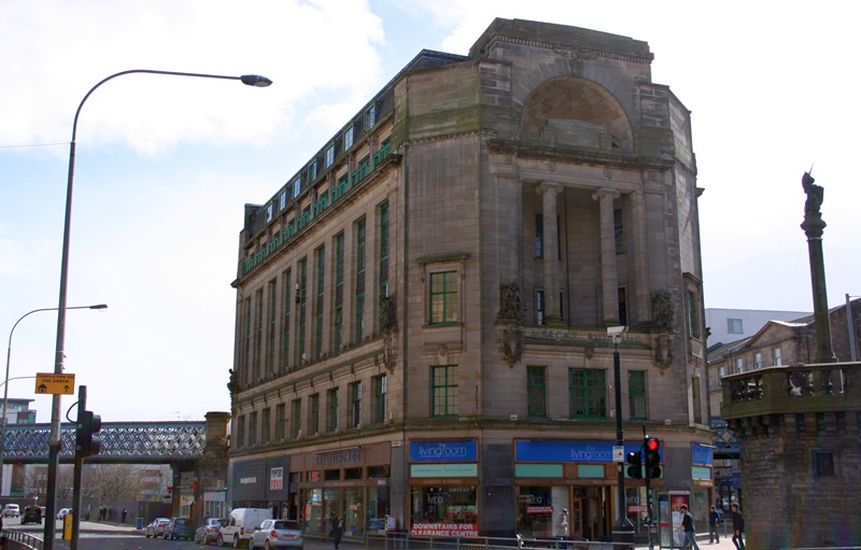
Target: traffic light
635,464
653,457
87,440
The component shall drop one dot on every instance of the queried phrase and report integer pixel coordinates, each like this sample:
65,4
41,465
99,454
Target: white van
240,525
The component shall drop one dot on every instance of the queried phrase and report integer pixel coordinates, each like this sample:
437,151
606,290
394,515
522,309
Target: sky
164,164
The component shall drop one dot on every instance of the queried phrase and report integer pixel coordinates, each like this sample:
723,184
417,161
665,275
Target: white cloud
55,51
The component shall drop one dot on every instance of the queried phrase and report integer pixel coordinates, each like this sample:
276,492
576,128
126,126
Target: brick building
422,308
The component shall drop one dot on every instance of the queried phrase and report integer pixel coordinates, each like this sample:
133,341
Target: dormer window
312,170
297,186
330,155
283,200
269,212
348,138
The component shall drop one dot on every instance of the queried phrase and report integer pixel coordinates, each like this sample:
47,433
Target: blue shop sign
444,451
569,451
702,454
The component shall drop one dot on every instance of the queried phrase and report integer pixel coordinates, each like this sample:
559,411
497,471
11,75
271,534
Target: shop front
262,484
345,484
444,488
577,476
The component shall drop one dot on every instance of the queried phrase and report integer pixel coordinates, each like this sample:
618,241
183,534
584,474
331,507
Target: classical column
609,274
549,193
641,299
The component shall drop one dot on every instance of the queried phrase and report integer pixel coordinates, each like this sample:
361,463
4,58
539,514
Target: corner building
422,308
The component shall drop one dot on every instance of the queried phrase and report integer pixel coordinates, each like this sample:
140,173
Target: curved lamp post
54,442
6,380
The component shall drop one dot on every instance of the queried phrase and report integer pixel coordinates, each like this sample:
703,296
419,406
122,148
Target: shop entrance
590,510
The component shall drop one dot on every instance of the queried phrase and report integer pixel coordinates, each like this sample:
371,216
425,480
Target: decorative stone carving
387,317
664,351
511,345
662,310
233,383
510,303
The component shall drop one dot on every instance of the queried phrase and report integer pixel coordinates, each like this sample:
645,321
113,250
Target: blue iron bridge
122,443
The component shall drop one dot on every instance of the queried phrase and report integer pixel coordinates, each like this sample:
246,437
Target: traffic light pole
623,531
648,497
79,468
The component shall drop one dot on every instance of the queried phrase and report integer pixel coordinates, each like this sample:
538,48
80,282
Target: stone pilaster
609,273
641,310
549,193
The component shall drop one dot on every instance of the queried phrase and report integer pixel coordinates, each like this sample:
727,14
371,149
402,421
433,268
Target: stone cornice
577,154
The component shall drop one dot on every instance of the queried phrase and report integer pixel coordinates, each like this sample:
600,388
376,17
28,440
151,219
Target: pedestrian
737,527
123,515
688,528
714,521
564,521
337,531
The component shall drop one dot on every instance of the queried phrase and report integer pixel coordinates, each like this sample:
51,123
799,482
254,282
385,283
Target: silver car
277,533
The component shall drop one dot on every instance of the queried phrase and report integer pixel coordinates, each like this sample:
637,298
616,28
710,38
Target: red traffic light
652,445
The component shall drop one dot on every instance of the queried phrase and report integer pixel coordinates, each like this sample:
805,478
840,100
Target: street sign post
57,384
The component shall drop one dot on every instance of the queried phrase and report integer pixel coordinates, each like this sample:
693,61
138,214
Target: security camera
616,331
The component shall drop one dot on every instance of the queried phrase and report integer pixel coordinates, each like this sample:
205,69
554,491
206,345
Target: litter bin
139,524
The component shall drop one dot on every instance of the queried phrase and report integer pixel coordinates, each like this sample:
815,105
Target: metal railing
19,539
401,540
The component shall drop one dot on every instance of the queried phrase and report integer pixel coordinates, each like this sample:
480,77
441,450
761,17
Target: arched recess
575,111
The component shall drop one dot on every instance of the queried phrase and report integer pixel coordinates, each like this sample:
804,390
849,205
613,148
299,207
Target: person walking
688,528
714,521
737,527
124,514
337,531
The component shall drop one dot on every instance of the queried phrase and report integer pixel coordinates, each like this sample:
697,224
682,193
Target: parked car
208,531
277,533
242,521
32,514
63,512
156,527
11,511
179,529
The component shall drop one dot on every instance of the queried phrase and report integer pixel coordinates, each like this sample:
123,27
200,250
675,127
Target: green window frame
296,420
314,414
536,390
338,320
360,281
320,257
587,393
444,390
381,390
265,425
280,419
302,308
355,404
332,410
443,302
637,405
287,298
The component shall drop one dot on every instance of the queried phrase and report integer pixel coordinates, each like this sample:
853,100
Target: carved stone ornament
390,352
233,383
511,345
664,351
662,310
387,317
510,303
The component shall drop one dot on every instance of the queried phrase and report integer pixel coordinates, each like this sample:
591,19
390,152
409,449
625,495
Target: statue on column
815,194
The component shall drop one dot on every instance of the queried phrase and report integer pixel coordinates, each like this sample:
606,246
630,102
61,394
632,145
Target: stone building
422,308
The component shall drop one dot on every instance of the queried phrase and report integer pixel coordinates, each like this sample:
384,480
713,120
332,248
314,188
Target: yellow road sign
49,382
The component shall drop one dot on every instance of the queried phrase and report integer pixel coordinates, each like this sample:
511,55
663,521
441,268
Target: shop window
535,511
332,475
378,472
536,389
637,394
353,473
587,393
451,505
443,298
444,390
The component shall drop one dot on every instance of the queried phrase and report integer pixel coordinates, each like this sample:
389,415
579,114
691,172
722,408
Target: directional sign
57,384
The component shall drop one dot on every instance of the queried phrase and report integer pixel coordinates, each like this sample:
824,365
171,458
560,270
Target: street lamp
6,380
55,442
623,531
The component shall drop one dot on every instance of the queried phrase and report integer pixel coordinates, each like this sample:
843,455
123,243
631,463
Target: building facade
422,309
728,325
